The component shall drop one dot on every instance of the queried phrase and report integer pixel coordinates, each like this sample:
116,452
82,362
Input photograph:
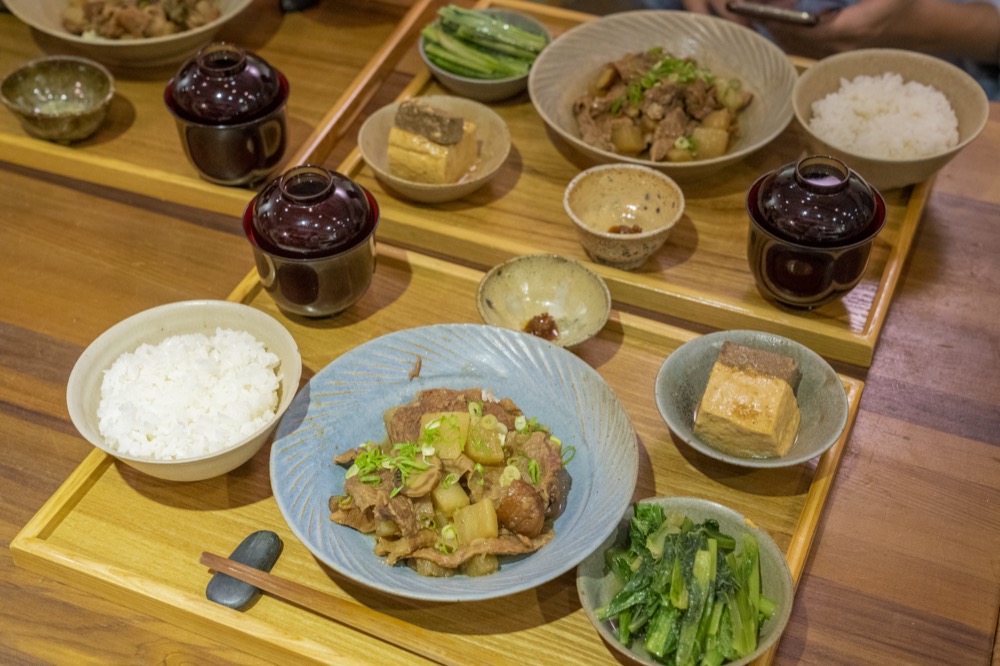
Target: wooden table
904,565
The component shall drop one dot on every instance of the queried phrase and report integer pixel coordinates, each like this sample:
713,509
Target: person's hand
715,8
869,23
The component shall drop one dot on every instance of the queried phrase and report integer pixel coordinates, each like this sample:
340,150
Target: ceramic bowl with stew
623,213
492,134
596,585
487,90
567,69
964,95
228,105
312,231
59,98
46,17
152,327
556,298
812,227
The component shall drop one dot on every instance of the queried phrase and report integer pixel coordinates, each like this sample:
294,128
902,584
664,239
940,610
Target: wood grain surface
904,567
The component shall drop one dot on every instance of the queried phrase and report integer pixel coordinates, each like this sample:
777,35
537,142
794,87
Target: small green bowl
59,98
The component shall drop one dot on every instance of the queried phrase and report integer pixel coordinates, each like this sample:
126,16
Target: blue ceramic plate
822,399
342,406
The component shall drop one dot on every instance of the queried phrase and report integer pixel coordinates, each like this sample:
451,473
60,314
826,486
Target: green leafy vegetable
687,594
476,44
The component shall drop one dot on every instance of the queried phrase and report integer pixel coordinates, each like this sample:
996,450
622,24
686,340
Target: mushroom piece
522,509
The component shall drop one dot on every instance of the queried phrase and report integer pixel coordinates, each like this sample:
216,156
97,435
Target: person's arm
939,27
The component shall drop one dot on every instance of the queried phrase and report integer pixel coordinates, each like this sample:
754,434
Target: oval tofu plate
491,145
738,418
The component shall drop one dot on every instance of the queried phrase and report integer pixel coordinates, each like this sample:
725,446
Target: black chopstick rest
260,550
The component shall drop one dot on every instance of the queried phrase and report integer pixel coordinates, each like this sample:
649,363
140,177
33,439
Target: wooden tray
700,276
159,529
336,57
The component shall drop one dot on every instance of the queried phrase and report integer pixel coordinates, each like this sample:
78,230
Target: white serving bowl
966,96
83,390
568,65
46,17
494,146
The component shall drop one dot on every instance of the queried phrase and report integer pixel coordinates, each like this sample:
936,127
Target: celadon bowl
342,407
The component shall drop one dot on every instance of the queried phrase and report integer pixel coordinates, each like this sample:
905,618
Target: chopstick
387,628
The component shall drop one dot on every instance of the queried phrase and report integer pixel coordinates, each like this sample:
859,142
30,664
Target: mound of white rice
885,118
189,395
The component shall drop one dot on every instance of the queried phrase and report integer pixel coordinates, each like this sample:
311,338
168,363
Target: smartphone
760,11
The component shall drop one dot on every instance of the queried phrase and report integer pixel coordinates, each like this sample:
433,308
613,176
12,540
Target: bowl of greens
482,54
687,581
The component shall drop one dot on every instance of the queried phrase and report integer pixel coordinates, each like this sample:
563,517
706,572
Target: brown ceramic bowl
966,96
614,196
59,98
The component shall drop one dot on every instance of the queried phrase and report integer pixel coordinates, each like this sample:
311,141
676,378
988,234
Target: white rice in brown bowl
185,391
894,116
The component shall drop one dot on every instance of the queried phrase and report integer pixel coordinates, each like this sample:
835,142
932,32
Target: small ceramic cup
59,98
229,108
623,212
313,237
812,227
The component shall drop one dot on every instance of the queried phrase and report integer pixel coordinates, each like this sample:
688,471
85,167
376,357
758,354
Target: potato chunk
446,432
476,521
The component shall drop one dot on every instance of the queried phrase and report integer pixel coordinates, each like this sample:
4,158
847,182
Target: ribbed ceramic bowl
514,292
494,146
596,586
83,390
570,64
681,382
45,16
966,96
342,407
488,90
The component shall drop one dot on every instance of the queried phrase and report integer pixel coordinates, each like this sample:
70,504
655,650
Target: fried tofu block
417,158
749,407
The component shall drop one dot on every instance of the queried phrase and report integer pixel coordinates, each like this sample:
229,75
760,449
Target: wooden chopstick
387,628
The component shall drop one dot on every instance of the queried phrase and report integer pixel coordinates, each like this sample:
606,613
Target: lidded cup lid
224,84
310,212
818,202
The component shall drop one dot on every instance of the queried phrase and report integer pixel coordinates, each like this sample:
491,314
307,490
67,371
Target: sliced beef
673,126
505,544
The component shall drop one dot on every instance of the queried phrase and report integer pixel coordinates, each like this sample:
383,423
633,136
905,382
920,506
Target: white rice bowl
189,395
885,117
827,76
154,398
